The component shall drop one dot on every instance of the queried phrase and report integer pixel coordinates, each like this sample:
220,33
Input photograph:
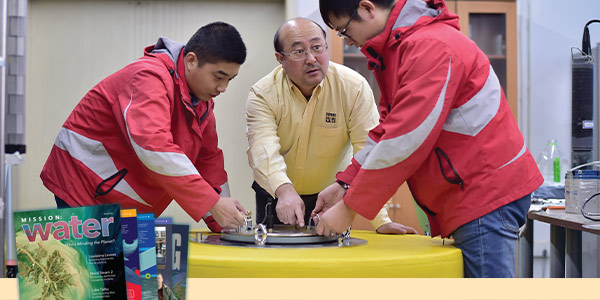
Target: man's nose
222,87
310,57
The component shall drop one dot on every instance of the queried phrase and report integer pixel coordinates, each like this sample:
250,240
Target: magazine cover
180,234
131,253
146,245
164,262
70,253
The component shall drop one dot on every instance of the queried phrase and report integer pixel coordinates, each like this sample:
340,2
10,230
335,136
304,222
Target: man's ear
367,6
279,57
191,60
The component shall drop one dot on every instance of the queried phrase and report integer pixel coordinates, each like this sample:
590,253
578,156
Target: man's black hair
338,9
277,44
217,42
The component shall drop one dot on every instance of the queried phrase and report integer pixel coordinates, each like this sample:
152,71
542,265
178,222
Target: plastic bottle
551,164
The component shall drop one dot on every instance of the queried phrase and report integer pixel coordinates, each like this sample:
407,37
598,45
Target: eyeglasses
342,33
300,54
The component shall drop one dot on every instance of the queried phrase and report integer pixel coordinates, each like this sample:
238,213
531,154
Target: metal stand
573,245
280,235
269,214
4,24
525,257
13,20
557,251
11,255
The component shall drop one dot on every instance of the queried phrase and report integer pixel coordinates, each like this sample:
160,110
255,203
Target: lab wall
548,29
72,45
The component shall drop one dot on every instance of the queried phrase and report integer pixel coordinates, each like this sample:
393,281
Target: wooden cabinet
493,26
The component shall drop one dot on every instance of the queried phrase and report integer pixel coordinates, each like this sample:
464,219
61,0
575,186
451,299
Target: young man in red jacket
146,134
445,128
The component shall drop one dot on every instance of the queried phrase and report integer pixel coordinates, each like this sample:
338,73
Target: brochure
70,253
147,244
164,262
180,243
131,253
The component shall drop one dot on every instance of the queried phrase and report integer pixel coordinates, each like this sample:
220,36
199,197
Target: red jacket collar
173,67
378,42
185,92
406,17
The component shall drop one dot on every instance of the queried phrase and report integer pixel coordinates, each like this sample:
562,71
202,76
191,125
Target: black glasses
300,54
342,33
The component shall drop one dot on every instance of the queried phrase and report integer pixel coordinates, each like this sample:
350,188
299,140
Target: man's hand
290,207
328,197
228,212
395,228
335,220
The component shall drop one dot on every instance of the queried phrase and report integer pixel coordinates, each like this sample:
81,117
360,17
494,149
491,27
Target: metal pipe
3,211
13,115
11,255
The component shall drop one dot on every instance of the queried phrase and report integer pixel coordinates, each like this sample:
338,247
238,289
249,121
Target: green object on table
423,220
557,169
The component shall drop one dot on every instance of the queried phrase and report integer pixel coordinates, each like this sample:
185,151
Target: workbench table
388,256
565,242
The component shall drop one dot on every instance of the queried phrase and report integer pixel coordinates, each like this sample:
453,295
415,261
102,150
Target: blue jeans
488,243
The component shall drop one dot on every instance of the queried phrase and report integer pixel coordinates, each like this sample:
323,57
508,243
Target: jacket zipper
440,154
201,118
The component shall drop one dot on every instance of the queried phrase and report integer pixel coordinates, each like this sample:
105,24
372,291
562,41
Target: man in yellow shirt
303,119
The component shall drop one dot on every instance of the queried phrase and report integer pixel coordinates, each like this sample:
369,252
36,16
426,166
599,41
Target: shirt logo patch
330,117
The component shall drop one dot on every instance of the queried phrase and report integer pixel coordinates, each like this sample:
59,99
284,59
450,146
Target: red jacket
142,119
445,124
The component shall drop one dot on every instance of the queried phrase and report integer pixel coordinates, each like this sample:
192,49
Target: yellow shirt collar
316,91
